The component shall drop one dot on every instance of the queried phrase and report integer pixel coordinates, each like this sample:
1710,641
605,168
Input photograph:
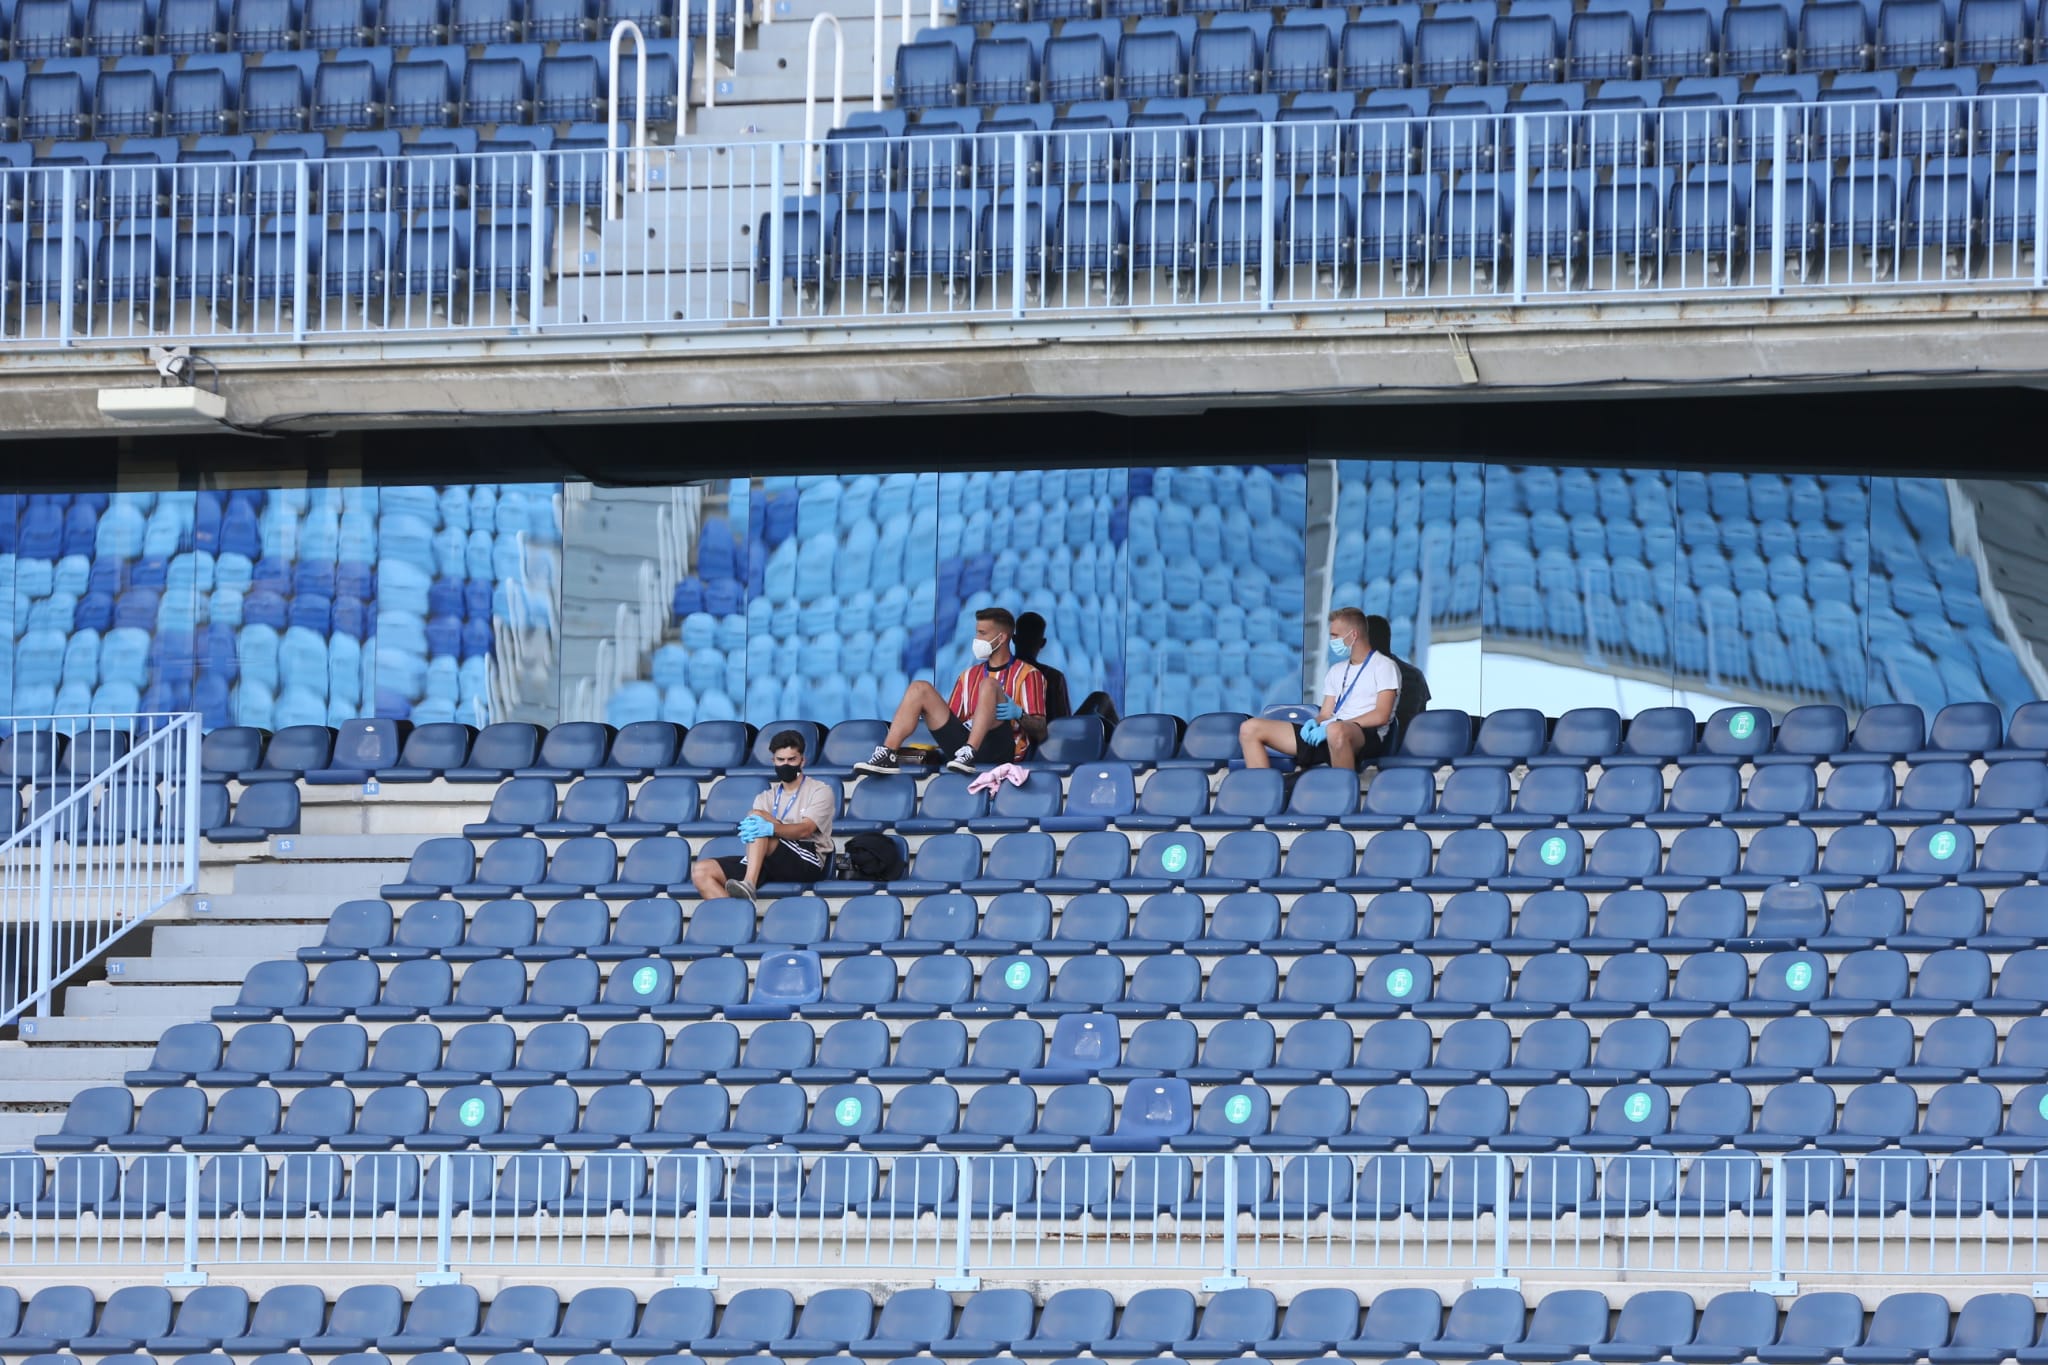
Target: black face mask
787,772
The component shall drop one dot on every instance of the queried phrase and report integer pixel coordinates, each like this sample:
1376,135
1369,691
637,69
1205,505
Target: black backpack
1414,698
874,858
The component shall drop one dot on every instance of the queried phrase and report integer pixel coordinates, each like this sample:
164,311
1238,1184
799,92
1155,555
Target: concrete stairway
253,905
682,247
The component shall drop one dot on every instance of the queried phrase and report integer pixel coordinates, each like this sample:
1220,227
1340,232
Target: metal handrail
614,206
100,887
838,86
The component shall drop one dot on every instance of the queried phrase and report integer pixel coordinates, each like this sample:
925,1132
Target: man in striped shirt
995,713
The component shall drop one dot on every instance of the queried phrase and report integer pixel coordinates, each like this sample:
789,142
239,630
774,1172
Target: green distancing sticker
1552,850
2044,1106
1017,975
1637,1106
1174,858
644,979
471,1113
1400,981
1238,1108
1942,845
1742,724
1799,975
847,1111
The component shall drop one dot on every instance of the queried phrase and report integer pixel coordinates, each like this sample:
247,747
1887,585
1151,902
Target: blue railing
1219,1212
1385,208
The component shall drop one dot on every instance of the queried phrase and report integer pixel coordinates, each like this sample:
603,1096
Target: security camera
173,364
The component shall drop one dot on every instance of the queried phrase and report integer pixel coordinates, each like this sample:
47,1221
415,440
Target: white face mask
983,649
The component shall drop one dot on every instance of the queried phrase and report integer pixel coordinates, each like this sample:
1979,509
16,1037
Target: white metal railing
111,835
1390,208
1770,1220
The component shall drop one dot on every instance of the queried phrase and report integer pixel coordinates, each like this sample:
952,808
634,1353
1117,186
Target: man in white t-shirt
1360,691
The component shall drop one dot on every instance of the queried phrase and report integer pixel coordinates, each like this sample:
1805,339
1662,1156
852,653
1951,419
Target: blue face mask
1340,650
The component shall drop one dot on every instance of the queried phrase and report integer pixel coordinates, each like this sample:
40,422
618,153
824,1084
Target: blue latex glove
1008,710
754,827
1313,732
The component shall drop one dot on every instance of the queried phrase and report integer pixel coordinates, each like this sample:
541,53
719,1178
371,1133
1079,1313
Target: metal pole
302,249
537,260
191,798
1503,1186
189,1272
1229,1276
1017,216
2040,193
1519,230
700,1276
775,235
962,1280
46,918
1267,266
67,301
444,1225
1777,1284
1777,199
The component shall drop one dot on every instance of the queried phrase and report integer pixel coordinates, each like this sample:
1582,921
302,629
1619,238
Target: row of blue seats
1342,224
1461,44
355,89
1099,796
1871,1048
155,181
1312,985
227,264
1709,123
1652,1324
1022,921
1316,860
46,29
391,751
1004,1115
128,811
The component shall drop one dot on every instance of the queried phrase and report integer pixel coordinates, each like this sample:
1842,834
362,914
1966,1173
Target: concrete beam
1121,363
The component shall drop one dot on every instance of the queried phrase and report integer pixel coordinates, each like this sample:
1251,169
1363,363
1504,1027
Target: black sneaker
739,888
882,762
962,761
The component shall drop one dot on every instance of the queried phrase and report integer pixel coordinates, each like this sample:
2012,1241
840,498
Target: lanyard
1353,683
775,809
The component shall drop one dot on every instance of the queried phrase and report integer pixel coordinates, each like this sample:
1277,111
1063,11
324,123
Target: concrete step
18,1131
311,907
126,1030
213,969
594,297
340,880
754,123
264,941
53,1094
166,1004
346,848
22,1062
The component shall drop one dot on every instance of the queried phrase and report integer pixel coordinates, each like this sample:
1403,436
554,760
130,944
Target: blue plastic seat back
1436,736
1251,794
1174,793
1399,855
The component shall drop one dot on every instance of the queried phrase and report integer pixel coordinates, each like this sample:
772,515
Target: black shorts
786,862
1307,755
